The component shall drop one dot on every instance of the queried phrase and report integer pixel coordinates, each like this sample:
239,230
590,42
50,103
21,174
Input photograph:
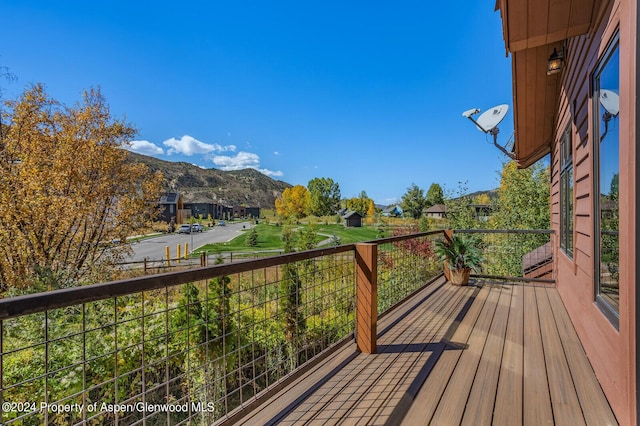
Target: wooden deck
504,354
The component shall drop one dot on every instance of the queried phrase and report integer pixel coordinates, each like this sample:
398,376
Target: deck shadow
402,407
436,348
309,392
421,347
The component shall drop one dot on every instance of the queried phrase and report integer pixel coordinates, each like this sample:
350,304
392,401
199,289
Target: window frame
567,198
606,307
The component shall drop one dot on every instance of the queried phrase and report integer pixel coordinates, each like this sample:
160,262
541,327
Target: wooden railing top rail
505,231
40,302
55,299
405,237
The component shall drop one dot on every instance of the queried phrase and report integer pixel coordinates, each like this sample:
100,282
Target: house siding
610,350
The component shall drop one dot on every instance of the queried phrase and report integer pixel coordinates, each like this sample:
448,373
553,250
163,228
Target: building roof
392,208
437,208
351,214
531,31
169,198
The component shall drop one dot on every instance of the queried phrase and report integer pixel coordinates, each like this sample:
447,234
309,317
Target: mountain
238,187
492,193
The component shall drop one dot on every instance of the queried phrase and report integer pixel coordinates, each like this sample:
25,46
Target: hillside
491,193
238,187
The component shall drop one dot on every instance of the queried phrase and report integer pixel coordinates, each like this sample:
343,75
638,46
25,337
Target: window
566,192
606,89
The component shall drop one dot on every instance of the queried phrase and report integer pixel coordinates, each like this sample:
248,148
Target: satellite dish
488,123
470,112
610,101
492,117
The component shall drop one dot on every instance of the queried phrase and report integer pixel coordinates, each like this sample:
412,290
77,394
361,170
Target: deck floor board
490,353
536,398
508,404
479,409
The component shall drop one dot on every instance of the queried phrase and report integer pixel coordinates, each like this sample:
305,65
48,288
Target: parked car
197,227
184,229
221,223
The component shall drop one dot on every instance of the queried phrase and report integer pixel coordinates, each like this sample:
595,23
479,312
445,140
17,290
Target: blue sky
369,94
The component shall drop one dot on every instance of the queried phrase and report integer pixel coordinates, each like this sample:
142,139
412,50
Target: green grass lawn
348,235
270,238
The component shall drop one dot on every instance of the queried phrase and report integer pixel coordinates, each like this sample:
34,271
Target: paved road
154,248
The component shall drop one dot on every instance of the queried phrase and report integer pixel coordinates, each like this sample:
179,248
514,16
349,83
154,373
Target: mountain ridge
246,187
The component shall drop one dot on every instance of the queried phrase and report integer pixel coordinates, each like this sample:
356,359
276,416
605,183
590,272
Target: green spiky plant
459,254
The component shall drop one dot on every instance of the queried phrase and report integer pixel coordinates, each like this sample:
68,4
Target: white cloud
189,145
242,160
145,147
276,153
270,172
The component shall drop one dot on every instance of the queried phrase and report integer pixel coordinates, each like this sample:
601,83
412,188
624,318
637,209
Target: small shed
352,219
437,211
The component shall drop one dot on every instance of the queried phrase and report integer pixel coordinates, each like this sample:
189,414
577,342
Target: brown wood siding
610,350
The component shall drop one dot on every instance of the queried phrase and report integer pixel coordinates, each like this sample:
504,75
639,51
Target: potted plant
460,257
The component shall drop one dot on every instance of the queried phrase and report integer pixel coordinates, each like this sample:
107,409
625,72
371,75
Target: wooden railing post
366,297
448,234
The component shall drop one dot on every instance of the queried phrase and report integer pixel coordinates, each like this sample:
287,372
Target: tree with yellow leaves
482,199
523,197
360,204
294,202
67,191
371,212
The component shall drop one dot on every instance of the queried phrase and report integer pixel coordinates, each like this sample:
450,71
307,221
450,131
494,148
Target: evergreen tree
413,201
434,195
219,324
291,293
252,237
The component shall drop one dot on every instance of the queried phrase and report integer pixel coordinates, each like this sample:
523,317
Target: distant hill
492,193
238,187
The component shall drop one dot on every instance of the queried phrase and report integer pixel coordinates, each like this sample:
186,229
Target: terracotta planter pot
447,271
460,276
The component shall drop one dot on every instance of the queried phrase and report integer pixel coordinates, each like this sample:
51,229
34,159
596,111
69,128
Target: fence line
209,341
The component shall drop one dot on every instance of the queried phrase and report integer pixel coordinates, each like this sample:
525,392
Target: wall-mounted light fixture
555,61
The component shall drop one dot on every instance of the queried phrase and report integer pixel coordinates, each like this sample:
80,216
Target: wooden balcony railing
200,345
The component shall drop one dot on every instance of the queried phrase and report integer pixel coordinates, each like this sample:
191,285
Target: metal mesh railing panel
405,266
184,354
514,254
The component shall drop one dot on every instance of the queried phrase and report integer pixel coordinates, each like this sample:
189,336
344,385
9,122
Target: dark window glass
566,192
606,85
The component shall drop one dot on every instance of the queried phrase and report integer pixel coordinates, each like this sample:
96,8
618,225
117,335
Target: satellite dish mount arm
606,117
494,132
474,121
